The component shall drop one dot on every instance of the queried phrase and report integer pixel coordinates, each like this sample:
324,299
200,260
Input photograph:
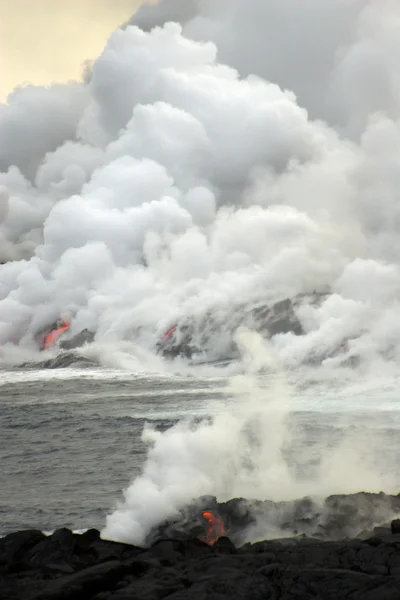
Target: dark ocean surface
70,438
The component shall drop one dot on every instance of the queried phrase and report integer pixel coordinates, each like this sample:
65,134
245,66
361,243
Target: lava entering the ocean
168,335
52,337
216,528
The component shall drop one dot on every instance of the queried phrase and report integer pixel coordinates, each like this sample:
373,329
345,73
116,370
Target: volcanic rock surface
316,561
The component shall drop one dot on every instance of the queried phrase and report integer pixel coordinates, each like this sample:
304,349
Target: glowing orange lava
54,335
167,336
216,529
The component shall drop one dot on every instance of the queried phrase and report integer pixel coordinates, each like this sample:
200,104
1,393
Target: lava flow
54,335
216,528
168,336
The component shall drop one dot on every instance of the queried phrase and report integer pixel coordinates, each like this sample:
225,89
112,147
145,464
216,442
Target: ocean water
71,438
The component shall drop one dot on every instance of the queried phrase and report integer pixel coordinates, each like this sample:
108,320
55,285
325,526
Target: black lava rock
395,526
68,566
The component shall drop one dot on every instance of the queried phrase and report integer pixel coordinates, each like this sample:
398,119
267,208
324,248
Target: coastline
73,566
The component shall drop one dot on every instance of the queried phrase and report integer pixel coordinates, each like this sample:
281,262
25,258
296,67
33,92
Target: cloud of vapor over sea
194,165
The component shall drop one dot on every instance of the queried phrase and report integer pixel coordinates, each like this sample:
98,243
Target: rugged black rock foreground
206,560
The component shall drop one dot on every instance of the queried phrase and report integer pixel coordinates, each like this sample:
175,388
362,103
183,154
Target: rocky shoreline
213,564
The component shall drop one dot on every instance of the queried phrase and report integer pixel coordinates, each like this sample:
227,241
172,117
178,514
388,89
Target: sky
53,39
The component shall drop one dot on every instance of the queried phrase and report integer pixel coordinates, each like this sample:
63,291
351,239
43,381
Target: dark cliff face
214,331
199,563
209,335
83,337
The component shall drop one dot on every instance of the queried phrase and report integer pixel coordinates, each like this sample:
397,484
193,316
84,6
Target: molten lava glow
168,335
216,529
54,335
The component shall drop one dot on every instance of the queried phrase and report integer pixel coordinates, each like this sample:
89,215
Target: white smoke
240,453
338,57
168,180
229,457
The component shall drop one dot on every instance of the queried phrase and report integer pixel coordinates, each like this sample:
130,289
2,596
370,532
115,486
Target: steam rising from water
242,452
251,151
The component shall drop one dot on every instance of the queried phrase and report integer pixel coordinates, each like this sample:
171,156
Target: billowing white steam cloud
253,149
338,57
168,180
241,453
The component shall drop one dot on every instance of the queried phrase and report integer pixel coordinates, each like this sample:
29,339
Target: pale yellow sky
42,41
